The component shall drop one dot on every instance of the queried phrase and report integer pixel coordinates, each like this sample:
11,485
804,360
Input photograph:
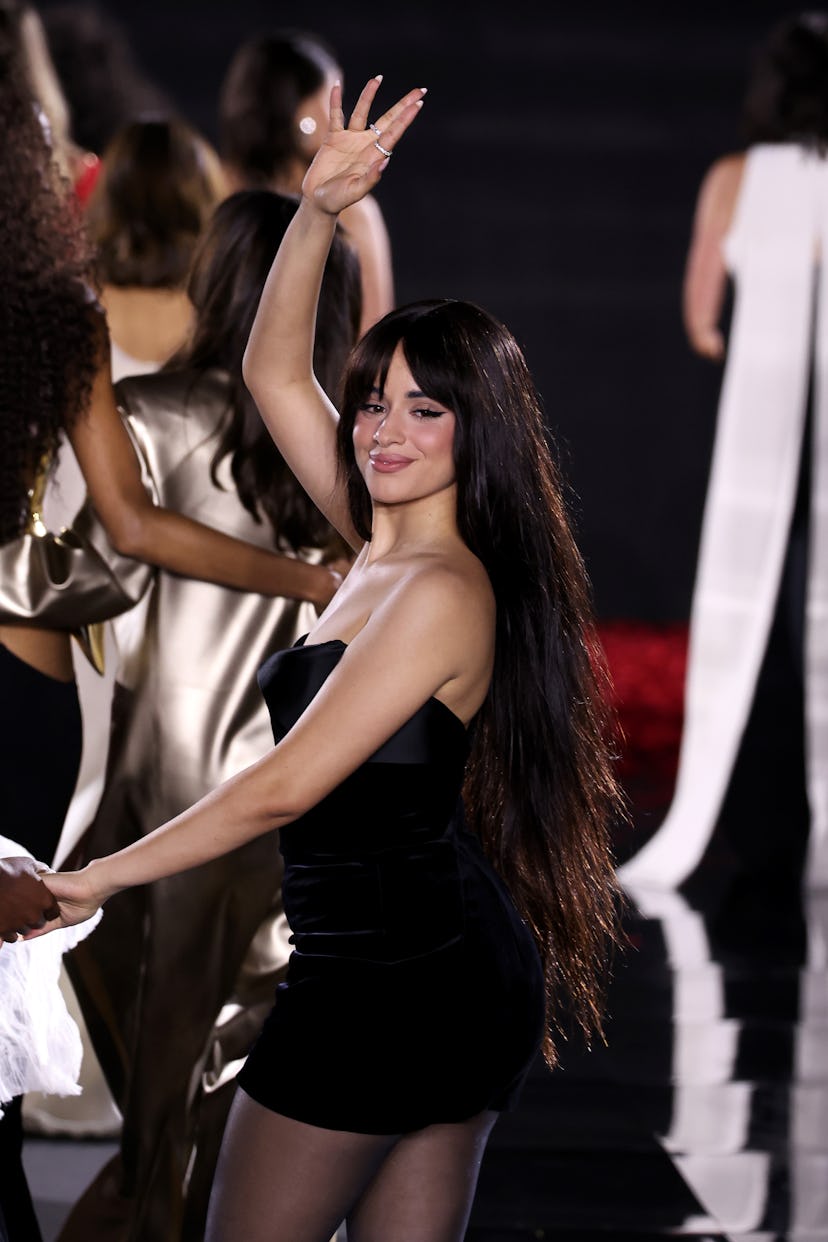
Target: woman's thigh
424,1189
280,1180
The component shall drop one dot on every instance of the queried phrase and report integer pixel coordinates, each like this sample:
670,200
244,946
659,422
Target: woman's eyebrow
415,393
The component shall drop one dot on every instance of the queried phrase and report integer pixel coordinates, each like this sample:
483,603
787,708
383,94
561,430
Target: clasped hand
25,902
30,907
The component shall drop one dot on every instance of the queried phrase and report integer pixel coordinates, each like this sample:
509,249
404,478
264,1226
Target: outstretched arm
705,277
368,696
278,364
146,532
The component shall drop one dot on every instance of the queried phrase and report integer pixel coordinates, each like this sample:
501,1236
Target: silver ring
383,150
374,129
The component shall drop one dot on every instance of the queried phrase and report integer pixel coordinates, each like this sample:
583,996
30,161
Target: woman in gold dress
209,947
54,380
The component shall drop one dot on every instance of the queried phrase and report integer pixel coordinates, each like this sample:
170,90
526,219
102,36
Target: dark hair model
104,86
539,784
269,77
158,187
228,275
787,95
53,335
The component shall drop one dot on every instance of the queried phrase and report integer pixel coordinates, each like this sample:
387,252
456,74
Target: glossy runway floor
706,1116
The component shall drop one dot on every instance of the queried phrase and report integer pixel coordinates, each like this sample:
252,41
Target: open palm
349,163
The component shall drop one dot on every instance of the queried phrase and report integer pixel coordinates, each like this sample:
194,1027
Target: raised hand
351,159
25,902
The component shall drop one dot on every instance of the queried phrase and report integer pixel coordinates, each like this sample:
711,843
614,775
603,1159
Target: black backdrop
552,178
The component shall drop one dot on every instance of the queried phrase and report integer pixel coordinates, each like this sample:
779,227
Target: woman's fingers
351,161
416,96
43,929
24,932
50,911
359,116
337,120
394,121
393,132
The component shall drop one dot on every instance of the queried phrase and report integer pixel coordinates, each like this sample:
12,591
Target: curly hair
787,95
54,336
540,788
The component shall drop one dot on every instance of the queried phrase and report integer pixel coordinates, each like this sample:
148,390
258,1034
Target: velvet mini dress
414,993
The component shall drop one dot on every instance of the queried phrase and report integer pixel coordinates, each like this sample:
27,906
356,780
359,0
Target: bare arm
278,363
146,532
705,278
369,695
365,227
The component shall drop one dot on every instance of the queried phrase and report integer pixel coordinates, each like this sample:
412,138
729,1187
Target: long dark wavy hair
540,790
268,78
787,94
226,282
53,334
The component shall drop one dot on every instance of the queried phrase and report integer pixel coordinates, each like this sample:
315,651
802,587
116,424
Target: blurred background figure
102,84
50,352
46,89
159,184
754,750
55,383
187,712
273,110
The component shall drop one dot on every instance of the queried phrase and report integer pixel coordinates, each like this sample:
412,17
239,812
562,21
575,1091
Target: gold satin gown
175,984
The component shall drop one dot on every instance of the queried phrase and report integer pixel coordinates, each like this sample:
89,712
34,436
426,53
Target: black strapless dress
414,994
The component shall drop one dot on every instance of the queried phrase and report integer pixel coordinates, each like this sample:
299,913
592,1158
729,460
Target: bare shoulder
452,598
728,167
720,190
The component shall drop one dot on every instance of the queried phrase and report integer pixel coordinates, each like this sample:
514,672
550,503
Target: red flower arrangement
647,665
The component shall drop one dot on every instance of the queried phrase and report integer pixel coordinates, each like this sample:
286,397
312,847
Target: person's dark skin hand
25,901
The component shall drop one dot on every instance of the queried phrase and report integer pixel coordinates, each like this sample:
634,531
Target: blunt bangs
448,346
464,358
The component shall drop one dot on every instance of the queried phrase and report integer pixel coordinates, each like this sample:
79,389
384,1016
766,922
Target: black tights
40,723
17,1212
280,1180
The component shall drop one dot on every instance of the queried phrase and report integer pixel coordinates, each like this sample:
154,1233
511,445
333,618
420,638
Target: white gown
40,1046
779,231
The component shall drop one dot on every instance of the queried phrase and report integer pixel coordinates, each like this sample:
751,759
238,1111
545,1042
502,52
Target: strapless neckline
301,644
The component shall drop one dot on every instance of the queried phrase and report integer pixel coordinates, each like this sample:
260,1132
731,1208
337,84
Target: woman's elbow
250,369
288,805
130,535
279,795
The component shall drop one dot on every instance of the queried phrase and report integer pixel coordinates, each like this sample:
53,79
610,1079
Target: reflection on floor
706,1116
